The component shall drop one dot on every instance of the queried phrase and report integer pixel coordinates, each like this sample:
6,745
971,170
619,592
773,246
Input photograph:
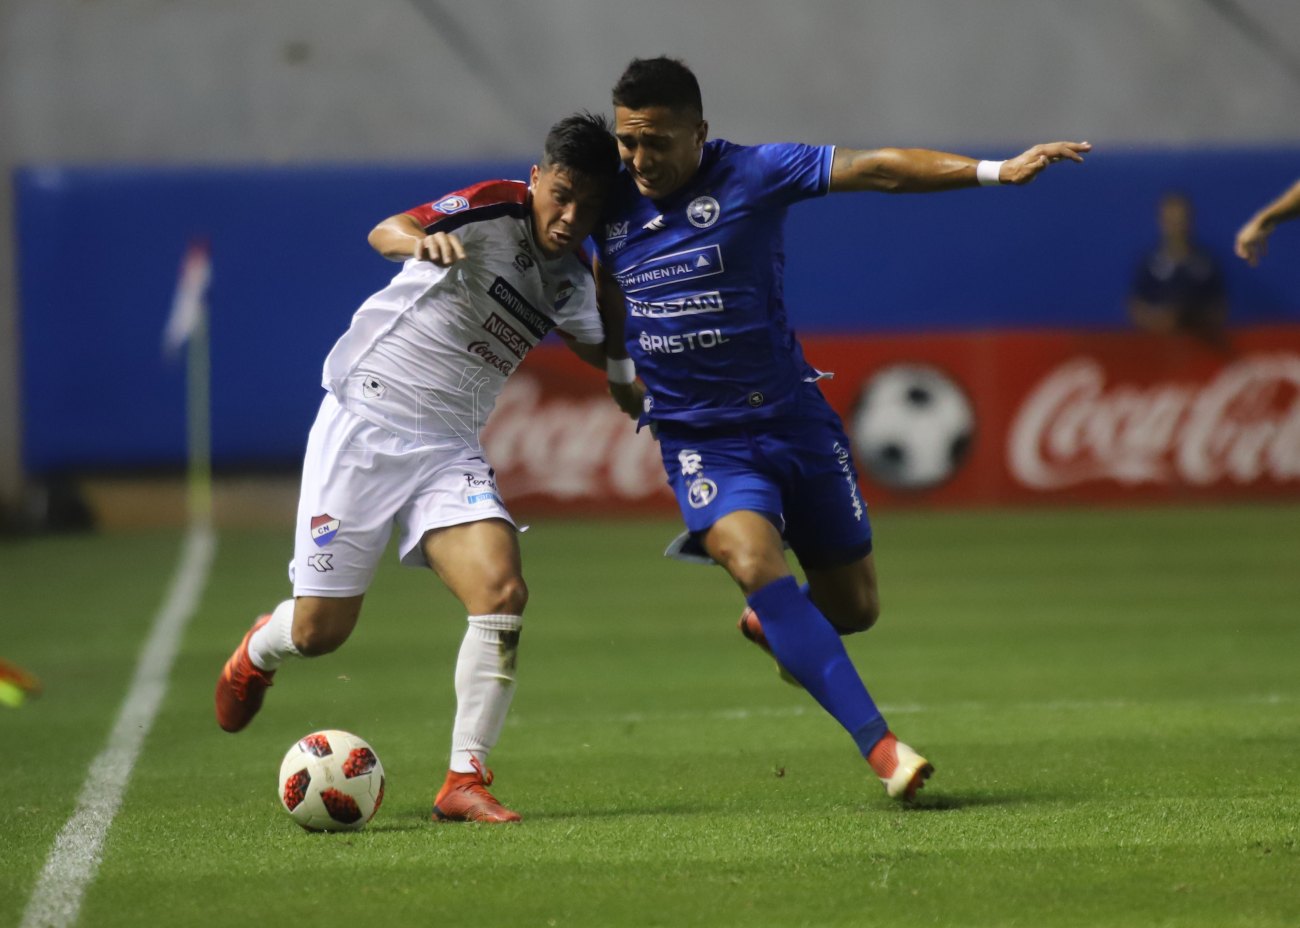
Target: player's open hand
1027,165
1252,242
442,248
629,396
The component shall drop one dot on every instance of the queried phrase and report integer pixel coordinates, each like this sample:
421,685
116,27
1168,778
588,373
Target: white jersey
427,356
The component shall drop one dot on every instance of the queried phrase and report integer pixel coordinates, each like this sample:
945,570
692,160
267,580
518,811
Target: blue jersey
702,273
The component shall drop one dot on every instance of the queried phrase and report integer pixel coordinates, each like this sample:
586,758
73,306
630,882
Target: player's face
565,208
660,147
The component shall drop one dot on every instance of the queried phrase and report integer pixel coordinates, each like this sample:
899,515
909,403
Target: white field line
74,859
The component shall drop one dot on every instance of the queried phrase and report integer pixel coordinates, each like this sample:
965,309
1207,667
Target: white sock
485,684
273,642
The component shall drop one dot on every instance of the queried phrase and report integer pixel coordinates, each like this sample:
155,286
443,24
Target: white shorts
358,481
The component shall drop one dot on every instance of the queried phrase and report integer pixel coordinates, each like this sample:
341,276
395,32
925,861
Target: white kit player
488,271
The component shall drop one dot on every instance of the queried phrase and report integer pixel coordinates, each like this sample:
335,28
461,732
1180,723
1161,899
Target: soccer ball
331,781
912,427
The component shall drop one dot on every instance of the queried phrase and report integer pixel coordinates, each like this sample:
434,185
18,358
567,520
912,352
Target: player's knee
863,617
315,640
508,596
855,616
753,569
318,631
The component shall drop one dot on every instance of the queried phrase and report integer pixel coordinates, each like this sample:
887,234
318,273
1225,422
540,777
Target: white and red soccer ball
331,781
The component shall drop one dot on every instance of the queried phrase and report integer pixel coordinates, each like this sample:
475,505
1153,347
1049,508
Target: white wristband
620,370
986,172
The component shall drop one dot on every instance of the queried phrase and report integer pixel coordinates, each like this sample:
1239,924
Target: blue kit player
691,264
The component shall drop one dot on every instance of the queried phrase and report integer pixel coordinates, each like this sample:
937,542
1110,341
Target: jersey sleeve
482,201
580,318
789,171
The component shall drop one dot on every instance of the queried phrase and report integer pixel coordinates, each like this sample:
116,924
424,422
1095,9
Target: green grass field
1112,700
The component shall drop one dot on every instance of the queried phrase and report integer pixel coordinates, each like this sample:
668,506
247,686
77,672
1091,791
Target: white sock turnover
273,642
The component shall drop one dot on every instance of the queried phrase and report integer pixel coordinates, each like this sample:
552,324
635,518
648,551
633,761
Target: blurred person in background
1252,238
691,259
1178,286
488,271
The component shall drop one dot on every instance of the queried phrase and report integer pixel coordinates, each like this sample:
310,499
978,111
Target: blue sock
806,644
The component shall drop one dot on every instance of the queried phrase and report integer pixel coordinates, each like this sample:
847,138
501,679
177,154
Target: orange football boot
464,797
242,686
901,770
752,629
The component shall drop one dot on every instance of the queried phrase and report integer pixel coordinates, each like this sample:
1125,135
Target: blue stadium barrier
100,248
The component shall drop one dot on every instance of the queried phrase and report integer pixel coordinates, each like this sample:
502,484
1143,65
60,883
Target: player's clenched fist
442,248
1029,164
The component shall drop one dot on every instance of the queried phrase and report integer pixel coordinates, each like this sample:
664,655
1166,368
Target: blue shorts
797,472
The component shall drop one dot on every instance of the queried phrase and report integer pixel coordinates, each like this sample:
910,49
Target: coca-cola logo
1242,426
570,447
484,351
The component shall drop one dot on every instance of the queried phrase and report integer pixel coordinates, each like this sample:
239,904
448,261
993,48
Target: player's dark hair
584,144
661,81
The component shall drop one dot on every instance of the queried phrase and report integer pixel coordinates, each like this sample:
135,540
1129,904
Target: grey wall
329,80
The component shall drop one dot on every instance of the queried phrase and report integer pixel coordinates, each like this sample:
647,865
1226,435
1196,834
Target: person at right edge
691,258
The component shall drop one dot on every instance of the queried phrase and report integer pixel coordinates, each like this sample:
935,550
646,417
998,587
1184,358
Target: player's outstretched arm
920,170
1252,238
400,237
591,354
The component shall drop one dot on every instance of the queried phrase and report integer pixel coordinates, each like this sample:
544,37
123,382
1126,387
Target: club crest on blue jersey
703,212
701,492
452,204
323,529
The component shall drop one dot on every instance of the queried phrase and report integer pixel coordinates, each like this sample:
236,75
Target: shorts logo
690,461
701,492
703,212
323,529
845,460
473,498
451,204
321,562
562,294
